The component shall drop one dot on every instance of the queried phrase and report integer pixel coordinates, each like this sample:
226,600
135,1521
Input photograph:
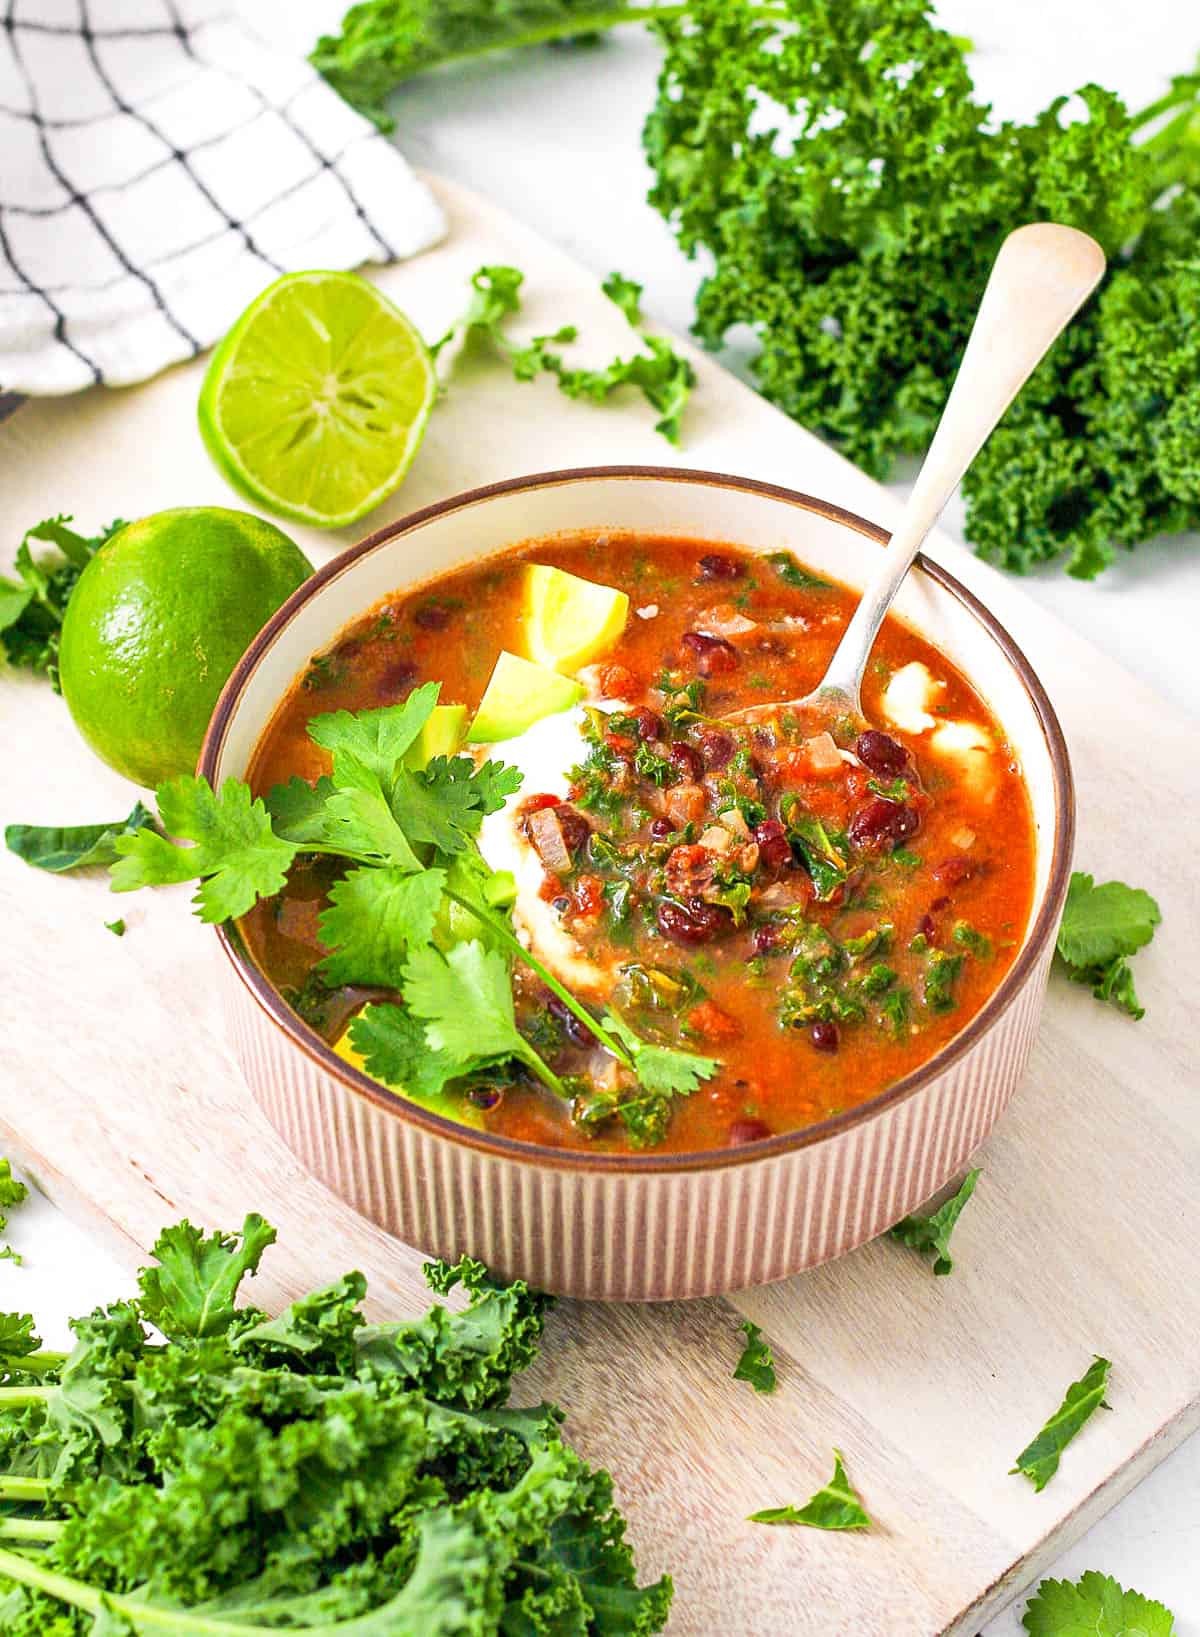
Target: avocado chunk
519,694
442,735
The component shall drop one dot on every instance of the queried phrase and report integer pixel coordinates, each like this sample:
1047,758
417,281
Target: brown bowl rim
1011,985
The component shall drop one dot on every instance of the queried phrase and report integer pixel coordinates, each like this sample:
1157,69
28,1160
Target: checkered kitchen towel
159,165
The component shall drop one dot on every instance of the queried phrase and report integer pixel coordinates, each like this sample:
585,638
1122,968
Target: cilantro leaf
237,856
191,1291
374,918
465,997
76,847
931,1234
1101,927
756,1365
837,1506
1038,1461
662,1069
361,823
394,1048
299,812
367,746
444,804
32,607
1094,1606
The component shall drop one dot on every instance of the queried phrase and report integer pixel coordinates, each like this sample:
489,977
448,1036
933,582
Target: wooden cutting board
118,1091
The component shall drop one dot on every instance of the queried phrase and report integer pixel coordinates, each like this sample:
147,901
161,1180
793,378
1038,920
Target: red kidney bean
714,656
743,1131
396,678
951,871
650,724
926,926
881,753
774,848
714,566
698,923
826,1037
716,746
432,617
766,938
575,828
685,761
662,827
576,1031
880,822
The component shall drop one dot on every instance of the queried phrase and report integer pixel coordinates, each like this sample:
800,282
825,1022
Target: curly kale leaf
192,1288
382,43
465,1359
832,160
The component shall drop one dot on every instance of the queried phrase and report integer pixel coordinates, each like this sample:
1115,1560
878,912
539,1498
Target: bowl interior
699,506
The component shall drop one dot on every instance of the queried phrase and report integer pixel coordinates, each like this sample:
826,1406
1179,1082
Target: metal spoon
1039,280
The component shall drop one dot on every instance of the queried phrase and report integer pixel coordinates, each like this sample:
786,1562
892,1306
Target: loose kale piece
77,847
32,606
1101,927
837,1506
1038,1461
756,1364
931,1234
1094,1606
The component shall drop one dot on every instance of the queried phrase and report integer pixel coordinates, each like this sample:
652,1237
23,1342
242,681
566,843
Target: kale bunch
308,1471
830,158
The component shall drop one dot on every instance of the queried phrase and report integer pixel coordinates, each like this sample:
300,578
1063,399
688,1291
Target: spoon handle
1040,278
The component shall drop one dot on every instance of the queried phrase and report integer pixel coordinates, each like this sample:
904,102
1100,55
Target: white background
554,137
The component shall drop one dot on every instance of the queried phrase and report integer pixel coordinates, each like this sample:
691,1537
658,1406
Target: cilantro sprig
1101,928
419,913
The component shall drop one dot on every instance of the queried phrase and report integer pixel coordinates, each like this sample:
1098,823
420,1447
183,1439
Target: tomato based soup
817,905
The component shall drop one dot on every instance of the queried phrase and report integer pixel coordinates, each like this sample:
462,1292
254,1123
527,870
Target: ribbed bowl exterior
636,1236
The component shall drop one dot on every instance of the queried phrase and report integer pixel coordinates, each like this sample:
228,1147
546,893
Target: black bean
698,923
881,753
715,566
432,617
744,1131
577,1032
826,1037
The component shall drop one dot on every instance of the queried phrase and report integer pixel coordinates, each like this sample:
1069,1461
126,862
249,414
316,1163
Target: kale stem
512,943
20,1398
24,1489
37,1364
29,1529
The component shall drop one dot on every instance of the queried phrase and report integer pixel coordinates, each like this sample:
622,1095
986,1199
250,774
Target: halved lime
316,401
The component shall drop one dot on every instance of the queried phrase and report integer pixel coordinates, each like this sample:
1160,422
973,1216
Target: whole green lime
156,623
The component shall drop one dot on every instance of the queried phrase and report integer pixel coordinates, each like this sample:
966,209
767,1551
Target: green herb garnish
1038,1461
77,847
1101,927
930,1235
790,572
33,605
756,1364
1094,1606
837,1506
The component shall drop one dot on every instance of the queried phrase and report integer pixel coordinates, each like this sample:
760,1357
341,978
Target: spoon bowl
1041,277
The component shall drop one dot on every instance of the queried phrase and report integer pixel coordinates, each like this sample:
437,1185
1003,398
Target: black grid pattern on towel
111,214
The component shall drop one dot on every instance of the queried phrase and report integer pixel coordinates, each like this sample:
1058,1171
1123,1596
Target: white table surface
554,138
